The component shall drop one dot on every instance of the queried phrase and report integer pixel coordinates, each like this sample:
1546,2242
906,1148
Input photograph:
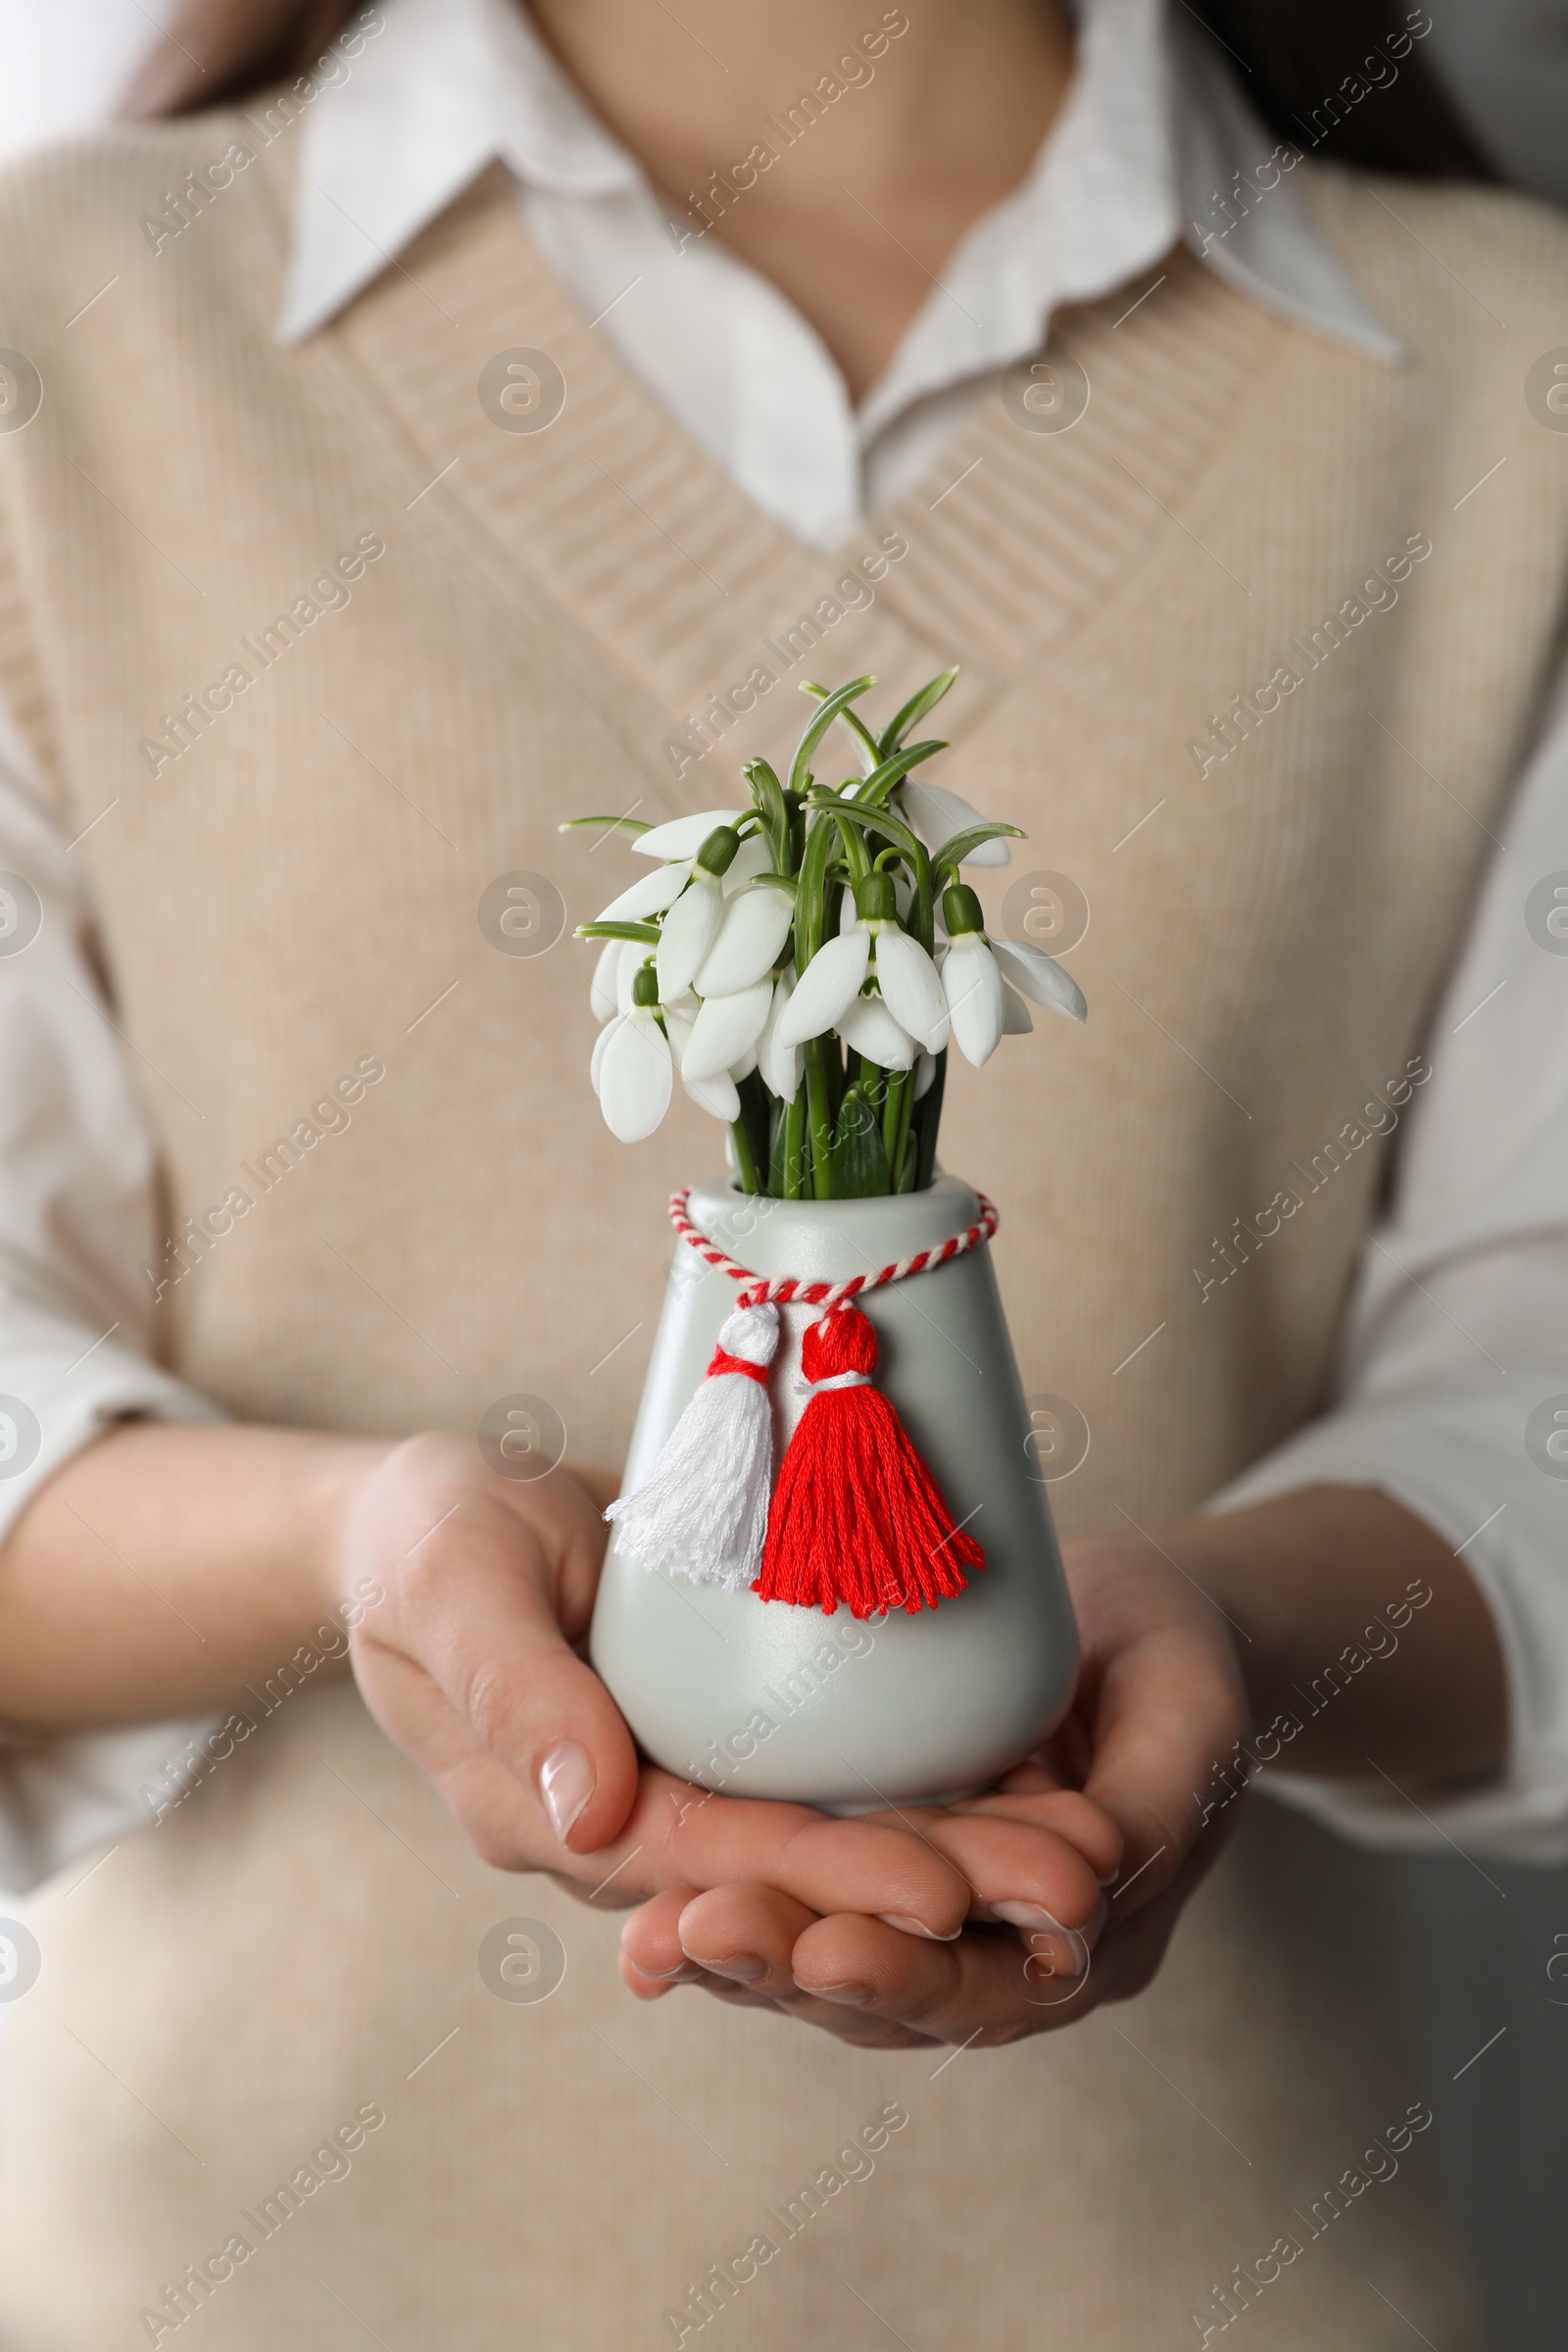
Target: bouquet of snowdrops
802,964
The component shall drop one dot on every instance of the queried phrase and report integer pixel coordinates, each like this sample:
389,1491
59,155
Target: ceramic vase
761,1699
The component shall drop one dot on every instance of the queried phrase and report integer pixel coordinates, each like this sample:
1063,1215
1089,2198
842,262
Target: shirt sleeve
78,1203
1452,1388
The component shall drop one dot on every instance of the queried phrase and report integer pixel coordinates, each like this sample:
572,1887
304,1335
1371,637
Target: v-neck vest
330,640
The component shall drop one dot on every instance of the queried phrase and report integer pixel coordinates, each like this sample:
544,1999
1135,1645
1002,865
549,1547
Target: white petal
716,1095
1042,978
684,836
780,1066
925,1072
973,987
633,957
601,1041
725,1030
688,934
678,1022
745,1066
636,1076
827,988
871,1030
756,925
754,857
603,994
911,985
649,894
1016,1018
849,914
936,814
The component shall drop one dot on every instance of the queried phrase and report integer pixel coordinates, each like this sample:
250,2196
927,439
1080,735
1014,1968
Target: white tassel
702,1511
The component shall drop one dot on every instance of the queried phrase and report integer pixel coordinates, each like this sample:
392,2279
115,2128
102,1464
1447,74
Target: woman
1255,578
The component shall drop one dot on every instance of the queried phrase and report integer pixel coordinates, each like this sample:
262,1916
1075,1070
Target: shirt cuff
1461,1461
63,1385
63,1798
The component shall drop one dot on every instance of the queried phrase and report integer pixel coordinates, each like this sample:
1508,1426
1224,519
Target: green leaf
962,845
605,825
889,772
646,932
839,700
915,710
860,1163
869,752
768,794
881,820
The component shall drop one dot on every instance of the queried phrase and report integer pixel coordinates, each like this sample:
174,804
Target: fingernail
839,1993
745,1967
1111,1881
686,1973
565,1783
917,1927
1030,1914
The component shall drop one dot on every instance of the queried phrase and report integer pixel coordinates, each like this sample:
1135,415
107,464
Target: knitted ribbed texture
303,890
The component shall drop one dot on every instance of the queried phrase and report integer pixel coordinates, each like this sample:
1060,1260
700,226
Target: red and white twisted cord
782,1289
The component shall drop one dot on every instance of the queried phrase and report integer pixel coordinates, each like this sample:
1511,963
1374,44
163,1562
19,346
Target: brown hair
1302,67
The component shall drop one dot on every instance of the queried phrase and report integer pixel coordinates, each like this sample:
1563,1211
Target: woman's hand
473,1664
1159,1702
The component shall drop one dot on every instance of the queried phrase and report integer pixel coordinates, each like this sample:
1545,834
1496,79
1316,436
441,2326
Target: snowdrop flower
650,895
1016,1018
752,858
936,814
684,836
975,989
873,948
749,939
632,1071
691,926
726,1029
604,993
871,1030
716,1094
780,1066
1040,976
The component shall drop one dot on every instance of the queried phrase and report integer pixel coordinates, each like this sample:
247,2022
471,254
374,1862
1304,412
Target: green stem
744,1164
899,1086
930,1117
821,1117
902,1153
795,1147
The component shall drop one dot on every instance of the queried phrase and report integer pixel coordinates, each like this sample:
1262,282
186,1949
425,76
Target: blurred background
1482,1935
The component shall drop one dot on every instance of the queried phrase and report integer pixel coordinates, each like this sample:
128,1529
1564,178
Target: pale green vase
761,1699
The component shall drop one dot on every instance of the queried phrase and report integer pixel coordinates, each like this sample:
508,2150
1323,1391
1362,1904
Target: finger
745,1933
1167,1706
652,1962
477,1611
868,1864
1085,1826
984,1987
1028,1878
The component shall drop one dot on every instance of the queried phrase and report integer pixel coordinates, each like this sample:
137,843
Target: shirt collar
1147,147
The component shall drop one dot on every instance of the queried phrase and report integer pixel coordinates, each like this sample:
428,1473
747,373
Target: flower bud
960,910
717,853
875,899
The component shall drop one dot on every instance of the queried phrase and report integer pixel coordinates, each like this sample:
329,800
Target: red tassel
856,1516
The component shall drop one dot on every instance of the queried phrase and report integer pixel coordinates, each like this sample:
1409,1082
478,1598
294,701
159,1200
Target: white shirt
1458,1330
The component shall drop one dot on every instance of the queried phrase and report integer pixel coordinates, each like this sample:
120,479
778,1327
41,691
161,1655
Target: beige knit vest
588,617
